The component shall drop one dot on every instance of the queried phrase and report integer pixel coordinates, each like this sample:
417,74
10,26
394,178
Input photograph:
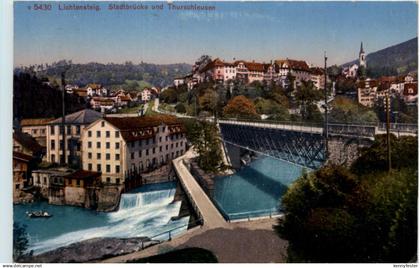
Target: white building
75,123
117,146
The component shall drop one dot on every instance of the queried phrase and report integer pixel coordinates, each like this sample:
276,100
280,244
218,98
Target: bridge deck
212,217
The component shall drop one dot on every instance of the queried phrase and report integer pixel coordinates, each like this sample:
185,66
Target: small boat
38,214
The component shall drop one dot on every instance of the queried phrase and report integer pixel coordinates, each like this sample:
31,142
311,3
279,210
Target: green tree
205,139
20,241
306,96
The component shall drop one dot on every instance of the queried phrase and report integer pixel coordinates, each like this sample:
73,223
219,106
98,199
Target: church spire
361,48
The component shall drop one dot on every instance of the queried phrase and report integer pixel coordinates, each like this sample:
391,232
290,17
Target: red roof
142,127
410,89
35,121
293,64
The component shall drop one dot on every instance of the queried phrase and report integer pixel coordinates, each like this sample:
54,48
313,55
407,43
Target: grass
186,255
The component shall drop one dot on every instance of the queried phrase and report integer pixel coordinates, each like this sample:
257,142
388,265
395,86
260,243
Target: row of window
107,133
71,144
107,156
107,145
68,128
107,168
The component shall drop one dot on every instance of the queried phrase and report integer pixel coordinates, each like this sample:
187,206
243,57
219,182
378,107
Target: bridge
303,144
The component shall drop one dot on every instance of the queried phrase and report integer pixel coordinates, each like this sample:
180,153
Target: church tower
362,56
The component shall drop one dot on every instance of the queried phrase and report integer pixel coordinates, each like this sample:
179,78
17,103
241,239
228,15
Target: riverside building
120,148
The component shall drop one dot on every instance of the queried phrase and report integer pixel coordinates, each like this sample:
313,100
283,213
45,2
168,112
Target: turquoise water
255,190
146,211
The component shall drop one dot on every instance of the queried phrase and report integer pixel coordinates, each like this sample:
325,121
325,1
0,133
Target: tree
20,241
240,107
306,95
345,110
205,139
208,100
169,96
362,214
180,108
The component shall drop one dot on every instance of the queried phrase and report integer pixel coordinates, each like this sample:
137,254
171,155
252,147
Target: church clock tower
362,56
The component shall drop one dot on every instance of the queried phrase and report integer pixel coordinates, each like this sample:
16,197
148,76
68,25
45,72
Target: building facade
75,123
117,147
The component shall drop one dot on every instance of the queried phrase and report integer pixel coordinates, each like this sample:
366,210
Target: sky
260,31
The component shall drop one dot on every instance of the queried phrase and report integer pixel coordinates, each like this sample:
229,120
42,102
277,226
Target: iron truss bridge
302,144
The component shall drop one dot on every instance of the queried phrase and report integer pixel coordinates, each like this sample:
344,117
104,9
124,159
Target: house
70,89
146,95
122,146
179,81
50,183
297,68
75,123
366,92
318,77
96,90
410,93
102,104
26,144
21,173
77,186
37,128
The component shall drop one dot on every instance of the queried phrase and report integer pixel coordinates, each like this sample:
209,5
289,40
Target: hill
399,59
130,76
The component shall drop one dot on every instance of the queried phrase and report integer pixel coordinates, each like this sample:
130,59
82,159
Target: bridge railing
290,125
402,127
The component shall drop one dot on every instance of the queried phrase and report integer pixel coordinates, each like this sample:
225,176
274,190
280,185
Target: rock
92,250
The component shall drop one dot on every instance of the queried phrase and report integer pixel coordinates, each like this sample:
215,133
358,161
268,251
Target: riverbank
92,250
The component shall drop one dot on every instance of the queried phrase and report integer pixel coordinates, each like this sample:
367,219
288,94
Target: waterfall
146,213
142,199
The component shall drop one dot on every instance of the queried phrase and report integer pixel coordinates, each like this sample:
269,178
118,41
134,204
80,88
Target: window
117,145
160,139
52,128
78,183
89,133
108,134
90,155
108,168
108,156
176,145
52,144
117,169
102,123
90,166
147,142
77,130
117,157
117,180
68,130
53,158
147,151
139,153
98,134
160,148
167,146
108,145
89,144
172,146
98,145
132,155
108,179
98,156
45,180
153,150
117,134
98,167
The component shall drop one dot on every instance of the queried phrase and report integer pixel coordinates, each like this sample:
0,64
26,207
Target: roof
370,83
35,121
254,66
317,71
27,141
83,175
293,64
22,156
142,127
407,88
82,117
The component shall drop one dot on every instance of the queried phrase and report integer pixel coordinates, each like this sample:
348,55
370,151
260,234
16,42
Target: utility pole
326,106
388,134
63,119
